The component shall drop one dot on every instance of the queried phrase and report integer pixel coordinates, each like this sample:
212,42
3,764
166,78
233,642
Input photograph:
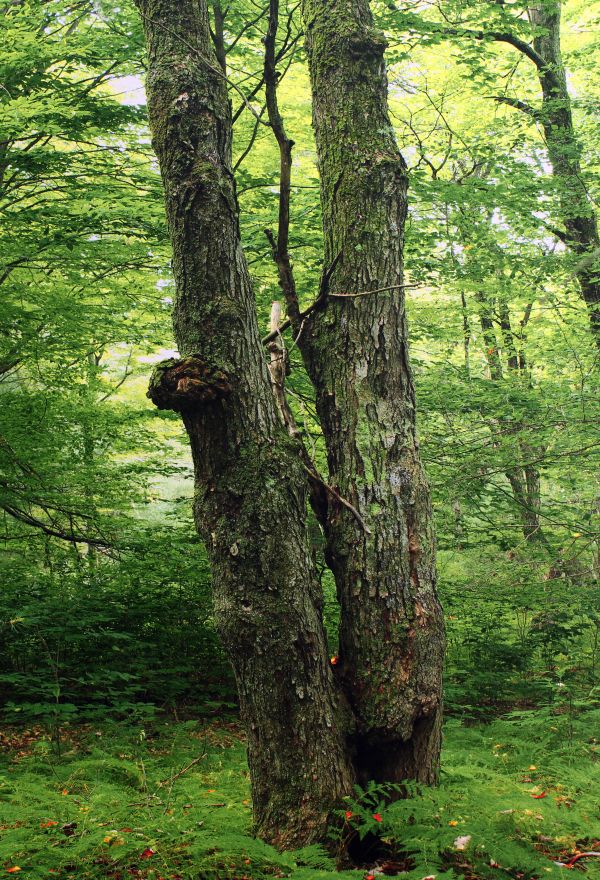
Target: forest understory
518,797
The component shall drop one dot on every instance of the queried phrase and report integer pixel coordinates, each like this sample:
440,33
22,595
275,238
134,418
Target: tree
251,486
534,31
310,736
576,208
356,352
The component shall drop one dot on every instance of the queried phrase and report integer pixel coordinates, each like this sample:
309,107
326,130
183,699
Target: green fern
110,799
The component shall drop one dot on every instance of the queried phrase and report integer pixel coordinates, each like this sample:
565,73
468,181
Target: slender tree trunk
526,486
355,349
466,332
578,215
250,501
524,480
488,331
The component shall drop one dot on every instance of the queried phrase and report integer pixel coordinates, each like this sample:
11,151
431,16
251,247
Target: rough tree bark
355,350
250,501
308,739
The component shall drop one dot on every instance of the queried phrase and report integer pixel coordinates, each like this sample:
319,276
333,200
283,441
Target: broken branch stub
187,384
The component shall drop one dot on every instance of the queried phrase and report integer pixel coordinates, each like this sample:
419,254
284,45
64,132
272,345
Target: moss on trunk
356,351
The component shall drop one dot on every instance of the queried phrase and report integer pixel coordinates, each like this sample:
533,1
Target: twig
297,339
376,290
339,498
172,779
319,303
583,855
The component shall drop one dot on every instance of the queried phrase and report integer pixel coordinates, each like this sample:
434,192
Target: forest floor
171,802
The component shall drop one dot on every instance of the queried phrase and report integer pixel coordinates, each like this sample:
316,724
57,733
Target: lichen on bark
356,352
250,485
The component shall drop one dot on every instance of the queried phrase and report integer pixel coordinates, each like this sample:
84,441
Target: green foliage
128,637
173,799
515,796
124,619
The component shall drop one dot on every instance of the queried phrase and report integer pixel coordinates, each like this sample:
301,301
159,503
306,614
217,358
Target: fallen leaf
462,843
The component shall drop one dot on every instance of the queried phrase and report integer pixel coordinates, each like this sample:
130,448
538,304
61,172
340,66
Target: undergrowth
172,802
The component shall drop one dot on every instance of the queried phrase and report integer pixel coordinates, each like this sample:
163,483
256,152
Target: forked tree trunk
250,502
250,508
355,349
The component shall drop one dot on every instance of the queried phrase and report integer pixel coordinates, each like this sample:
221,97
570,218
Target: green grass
120,803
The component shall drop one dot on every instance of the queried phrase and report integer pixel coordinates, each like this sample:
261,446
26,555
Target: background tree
534,31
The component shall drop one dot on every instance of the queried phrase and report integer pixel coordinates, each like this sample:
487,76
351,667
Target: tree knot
367,42
187,384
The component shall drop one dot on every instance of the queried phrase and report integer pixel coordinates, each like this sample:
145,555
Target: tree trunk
524,479
564,152
250,501
355,350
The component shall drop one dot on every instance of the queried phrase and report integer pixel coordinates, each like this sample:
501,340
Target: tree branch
519,105
279,245
53,531
318,304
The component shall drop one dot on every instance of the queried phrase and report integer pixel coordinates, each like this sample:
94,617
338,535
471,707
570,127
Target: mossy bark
250,498
564,151
356,352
